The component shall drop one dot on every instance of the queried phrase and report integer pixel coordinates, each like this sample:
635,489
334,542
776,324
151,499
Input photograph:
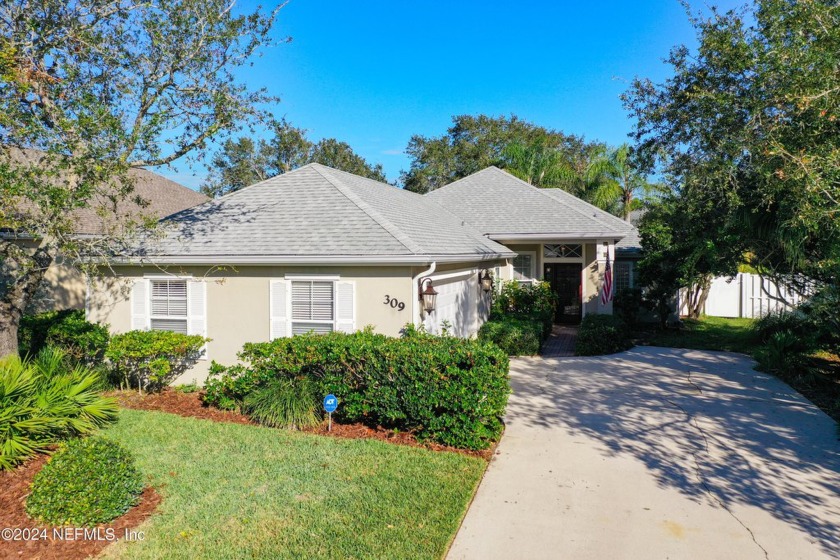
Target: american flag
607,293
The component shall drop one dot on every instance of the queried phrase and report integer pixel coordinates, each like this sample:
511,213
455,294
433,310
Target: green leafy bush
517,337
446,389
601,334
152,359
627,304
43,401
525,300
87,481
284,403
82,342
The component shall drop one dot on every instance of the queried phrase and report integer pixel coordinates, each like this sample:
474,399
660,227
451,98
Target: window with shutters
169,306
313,306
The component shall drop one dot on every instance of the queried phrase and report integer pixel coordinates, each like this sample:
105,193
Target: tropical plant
284,403
150,360
42,402
87,481
613,183
475,142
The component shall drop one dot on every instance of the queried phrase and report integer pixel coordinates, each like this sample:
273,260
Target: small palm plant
42,401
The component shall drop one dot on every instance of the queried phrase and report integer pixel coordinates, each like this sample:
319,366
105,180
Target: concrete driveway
657,453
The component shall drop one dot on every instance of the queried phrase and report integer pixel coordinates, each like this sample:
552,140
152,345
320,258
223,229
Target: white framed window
313,306
168,306
563,251
624,275
299,305
523,266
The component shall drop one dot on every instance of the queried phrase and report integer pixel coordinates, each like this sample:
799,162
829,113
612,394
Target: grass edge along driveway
235,491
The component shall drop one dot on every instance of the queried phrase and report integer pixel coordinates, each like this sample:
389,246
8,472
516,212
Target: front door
565,280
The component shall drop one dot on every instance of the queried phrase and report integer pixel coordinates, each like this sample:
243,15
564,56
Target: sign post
330,404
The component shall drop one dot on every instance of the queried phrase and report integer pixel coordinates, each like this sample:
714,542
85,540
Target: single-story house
322,250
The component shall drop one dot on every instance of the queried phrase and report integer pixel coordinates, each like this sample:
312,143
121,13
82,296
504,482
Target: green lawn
236,491
706,333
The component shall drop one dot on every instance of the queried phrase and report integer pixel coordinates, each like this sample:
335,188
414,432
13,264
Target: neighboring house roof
504,207
317,214
153,197
161,197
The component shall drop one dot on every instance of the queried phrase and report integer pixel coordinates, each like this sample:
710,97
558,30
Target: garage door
460,304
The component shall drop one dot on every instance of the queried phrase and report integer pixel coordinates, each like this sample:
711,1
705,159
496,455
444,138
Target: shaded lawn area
819,382
237,491
706,333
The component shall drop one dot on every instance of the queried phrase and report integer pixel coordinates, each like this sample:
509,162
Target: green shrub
517,337
533,301
152,359
627,304
284,403
43,401
87,481
783,352
446,389
82,342
601,334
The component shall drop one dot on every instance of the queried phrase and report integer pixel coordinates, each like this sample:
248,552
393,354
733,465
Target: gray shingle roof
499,205
318,212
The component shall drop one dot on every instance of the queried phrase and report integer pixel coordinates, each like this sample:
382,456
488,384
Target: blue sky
374,73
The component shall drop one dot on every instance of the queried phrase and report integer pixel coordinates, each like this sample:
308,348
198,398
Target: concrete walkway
657,453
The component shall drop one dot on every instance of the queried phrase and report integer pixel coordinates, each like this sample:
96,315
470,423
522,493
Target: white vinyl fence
745,295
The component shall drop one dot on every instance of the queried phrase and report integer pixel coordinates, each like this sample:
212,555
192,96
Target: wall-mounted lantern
486,280
427,294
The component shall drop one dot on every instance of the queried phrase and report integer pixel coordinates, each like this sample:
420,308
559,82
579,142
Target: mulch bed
190,404
15,488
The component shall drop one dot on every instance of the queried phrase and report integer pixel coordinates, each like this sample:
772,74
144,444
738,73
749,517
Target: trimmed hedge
81,341
601,334
152,359
445,389
515,336
87,481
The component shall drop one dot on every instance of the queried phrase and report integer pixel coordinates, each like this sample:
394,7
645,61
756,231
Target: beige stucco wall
238,303
63,286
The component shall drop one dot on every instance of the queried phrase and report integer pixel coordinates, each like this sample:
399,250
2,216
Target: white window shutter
278,310
197,311
346,307
140,305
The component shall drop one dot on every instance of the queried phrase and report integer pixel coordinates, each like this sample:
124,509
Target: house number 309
394,303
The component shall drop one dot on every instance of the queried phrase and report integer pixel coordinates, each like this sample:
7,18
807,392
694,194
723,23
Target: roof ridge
563,202
385,224
602,213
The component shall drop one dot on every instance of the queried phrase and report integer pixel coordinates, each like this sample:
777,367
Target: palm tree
539,164
613,184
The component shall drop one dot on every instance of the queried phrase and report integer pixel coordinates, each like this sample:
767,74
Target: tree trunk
698,294
18,295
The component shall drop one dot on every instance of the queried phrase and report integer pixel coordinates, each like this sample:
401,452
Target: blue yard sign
330,404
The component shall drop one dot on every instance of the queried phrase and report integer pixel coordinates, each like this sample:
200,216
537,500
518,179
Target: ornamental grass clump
87,481
284,403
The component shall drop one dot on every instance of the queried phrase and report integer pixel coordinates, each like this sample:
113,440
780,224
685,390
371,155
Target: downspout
415,312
